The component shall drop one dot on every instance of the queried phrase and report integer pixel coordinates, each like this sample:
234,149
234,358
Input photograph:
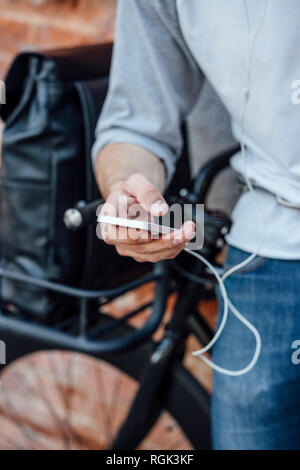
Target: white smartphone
153,228
135,223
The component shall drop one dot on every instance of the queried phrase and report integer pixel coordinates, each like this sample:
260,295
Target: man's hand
137,191
128,175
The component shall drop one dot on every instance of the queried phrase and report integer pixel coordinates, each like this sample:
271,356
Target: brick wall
34,24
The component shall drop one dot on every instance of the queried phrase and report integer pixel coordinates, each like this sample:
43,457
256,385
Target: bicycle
153,370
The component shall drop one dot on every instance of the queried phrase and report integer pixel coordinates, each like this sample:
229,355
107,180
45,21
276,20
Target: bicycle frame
44,337
164,358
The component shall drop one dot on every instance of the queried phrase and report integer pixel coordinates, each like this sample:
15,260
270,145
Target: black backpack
53,103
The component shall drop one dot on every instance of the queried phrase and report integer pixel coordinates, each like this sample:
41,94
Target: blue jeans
260,410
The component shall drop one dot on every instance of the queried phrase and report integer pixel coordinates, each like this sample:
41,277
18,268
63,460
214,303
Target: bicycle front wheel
66,400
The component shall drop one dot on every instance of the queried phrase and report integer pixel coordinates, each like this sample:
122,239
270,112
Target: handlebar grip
82,215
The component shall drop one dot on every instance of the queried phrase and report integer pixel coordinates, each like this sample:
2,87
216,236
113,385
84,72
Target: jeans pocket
236,256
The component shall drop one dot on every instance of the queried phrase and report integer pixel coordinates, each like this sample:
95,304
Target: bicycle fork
147,404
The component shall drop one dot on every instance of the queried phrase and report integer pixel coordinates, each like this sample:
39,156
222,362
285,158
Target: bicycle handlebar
209,171
83,214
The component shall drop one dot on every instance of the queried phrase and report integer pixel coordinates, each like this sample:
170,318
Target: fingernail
178,237
159,207
189,231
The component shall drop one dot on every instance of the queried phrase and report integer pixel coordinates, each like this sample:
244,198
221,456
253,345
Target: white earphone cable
227,304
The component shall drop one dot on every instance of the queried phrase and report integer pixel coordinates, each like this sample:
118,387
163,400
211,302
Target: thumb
146,194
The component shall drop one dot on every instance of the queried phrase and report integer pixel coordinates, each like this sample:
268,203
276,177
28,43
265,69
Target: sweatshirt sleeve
154,82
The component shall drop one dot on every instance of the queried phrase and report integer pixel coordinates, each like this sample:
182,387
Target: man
248,50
